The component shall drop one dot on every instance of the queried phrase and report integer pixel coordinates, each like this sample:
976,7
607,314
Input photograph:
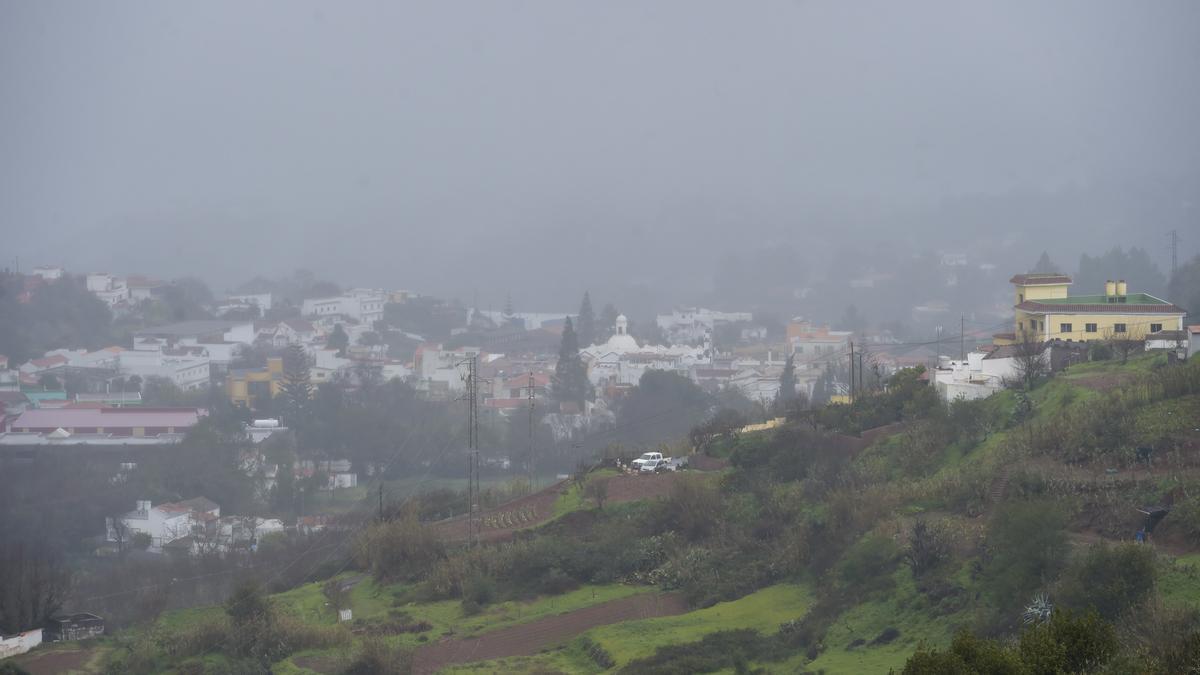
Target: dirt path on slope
530,638
501,522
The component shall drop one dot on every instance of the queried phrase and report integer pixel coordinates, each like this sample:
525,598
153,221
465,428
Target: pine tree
296,389
338,340
587,321
571,384
1044,265
787,385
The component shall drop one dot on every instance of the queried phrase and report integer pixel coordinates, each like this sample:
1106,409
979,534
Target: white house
49,273
165,523
111,289
982,374
183,367
363,305
1169,340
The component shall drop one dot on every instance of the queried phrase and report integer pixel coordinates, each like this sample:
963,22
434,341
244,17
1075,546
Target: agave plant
1037,611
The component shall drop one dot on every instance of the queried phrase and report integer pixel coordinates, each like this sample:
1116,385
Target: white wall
20,643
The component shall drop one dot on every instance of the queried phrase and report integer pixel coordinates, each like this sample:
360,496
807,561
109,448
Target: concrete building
247,386
71,627
363,305
1044,310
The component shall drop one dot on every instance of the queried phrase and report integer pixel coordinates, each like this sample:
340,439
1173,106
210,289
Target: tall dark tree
34,582
787,385
587,321
1044,265
1134,266
571,384
338,340
296,388
1184,289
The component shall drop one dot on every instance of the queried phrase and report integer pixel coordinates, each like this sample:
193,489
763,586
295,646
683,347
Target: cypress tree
587,321
787,384
570,373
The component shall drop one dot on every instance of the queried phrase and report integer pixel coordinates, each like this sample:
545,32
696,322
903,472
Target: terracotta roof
1039,279
1098,308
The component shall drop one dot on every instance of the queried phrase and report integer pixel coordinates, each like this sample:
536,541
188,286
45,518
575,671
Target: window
1089,327
1155,327
1020,327
1064,328
1020,297
1118,328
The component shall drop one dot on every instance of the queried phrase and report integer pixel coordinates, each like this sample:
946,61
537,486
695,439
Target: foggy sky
504,146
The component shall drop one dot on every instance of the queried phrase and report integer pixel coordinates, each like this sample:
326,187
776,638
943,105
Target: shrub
1027,548
377,657
1109,579
398,549
927,547
723,650
597,653
1068,643
868,565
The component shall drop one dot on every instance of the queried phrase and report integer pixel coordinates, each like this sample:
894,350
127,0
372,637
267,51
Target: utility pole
1174,234
472,396
381,499
852,371
962,337
861,352
532,464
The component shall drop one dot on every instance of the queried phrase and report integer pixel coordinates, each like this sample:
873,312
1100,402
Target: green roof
1131,299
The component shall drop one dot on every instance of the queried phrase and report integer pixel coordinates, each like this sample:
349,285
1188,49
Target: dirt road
530,638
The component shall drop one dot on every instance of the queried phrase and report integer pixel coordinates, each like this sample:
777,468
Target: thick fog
635,148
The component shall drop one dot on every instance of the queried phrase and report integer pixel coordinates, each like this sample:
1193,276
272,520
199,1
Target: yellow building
244,387
1045,310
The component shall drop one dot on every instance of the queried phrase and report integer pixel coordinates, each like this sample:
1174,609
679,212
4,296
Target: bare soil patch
55,661
529,638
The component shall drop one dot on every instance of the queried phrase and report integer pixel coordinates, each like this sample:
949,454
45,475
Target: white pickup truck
652,462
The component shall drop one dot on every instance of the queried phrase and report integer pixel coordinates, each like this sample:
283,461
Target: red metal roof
107,418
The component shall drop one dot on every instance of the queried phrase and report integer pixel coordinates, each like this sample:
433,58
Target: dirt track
55,661
530,638
501,522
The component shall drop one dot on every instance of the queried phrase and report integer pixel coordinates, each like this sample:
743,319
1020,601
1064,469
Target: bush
867,567
1068,643
1109,579
1027,547
723,650
377,657
927,547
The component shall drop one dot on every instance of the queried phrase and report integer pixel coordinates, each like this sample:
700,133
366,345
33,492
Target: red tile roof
1039,279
